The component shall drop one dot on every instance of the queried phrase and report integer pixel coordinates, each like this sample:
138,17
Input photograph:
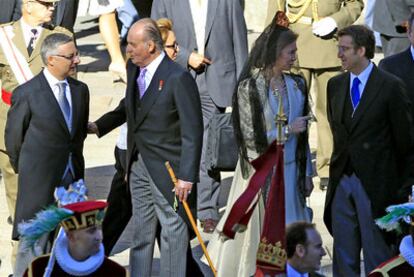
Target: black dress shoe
323,184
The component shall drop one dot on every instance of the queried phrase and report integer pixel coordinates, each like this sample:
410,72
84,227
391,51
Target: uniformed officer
20,60
316,22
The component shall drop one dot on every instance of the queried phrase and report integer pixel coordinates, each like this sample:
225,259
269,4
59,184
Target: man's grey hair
153,33
51,43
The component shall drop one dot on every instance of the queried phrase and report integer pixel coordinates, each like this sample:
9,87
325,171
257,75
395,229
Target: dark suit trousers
119,209
208,188
65,13
354,228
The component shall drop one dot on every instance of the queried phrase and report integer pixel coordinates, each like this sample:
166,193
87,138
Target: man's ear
300,250
50,60
361,51
151,47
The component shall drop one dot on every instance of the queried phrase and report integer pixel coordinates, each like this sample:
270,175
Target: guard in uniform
316,22
20,60
403,264
78,249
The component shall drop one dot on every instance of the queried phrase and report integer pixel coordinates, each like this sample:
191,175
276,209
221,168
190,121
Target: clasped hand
197,61
300,124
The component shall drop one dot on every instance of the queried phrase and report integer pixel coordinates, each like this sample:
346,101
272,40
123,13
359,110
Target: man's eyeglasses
172,46
69,58
45,4
344,48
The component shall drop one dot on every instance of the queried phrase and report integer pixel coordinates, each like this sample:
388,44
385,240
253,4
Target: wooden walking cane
191,218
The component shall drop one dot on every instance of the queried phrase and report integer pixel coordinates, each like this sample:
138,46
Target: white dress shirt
199,14
292,272
151,68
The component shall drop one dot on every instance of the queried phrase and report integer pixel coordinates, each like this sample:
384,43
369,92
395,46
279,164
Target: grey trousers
354,228
208,188
148,207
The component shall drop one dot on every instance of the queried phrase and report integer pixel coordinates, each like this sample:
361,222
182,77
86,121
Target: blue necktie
355,96
63,102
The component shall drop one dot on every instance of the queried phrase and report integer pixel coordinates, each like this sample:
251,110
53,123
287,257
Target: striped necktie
32,41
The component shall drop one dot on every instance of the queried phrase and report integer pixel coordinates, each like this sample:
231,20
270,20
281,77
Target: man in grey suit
212,40
45,130
390,20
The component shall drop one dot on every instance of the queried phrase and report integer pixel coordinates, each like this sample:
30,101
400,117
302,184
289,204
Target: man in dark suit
45,130
163,114
370,118
212,40
65,13
402,64
304,249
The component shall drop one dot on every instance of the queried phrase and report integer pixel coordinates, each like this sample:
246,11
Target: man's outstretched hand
93,128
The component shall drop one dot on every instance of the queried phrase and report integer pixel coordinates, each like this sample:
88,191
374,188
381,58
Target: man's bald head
150,30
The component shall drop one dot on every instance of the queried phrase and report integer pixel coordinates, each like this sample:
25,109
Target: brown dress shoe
209,225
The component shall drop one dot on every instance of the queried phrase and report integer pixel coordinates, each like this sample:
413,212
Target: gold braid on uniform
297,4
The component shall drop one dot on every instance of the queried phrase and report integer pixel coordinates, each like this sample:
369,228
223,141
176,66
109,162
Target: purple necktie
141,82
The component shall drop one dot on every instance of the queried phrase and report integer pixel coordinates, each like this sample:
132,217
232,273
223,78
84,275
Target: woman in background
168,37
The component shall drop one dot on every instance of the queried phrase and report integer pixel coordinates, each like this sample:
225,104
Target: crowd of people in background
186,62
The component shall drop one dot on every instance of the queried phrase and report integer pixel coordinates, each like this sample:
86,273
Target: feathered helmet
73,212
395,215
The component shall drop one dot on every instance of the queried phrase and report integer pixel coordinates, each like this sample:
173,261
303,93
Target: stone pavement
99,152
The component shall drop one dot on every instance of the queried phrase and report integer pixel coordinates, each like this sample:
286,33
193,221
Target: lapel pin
160,85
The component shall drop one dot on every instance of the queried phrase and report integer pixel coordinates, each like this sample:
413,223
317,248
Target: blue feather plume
44,222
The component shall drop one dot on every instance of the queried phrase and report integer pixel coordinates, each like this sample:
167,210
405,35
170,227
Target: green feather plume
396,213
44,222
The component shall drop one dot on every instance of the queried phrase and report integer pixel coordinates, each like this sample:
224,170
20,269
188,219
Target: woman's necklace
277,84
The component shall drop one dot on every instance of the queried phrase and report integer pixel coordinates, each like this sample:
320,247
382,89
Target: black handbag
222,150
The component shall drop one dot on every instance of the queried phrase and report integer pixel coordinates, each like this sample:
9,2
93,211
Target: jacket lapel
18,39
338,101
76,102
211,12
52,102
152,92
370,92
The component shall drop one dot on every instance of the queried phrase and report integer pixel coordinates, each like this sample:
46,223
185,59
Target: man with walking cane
163,113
